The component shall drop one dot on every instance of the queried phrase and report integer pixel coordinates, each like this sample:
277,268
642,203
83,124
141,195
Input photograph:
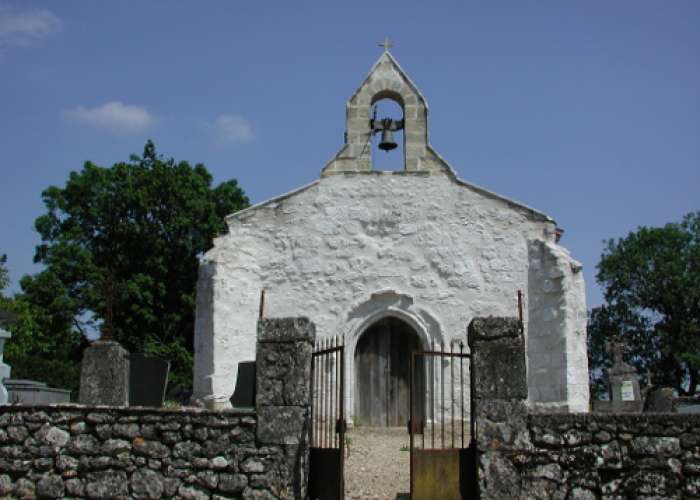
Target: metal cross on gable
386,44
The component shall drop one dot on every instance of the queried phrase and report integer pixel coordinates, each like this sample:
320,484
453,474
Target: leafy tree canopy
43,345
123,243
652,298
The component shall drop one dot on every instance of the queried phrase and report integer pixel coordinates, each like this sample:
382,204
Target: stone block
286,330
298,464
502,425
498,477
107,484
283,424
104,375
493,328
655,446
283,373
498,369
50,486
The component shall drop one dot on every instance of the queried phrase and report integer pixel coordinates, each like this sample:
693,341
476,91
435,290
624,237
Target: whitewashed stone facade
358,245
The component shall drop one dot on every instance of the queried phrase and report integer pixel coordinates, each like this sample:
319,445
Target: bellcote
386,80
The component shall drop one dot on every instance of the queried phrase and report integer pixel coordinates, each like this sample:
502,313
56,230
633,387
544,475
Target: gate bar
341,435
411,423
432,396
329,394
442,392
452,392
461,385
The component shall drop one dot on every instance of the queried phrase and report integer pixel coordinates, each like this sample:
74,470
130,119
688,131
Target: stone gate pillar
283,391
499,391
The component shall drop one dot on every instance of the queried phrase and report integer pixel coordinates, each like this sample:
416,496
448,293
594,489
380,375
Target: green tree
123,243
43,344
652,298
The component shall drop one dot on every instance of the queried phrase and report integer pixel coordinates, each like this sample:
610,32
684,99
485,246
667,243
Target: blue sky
588,111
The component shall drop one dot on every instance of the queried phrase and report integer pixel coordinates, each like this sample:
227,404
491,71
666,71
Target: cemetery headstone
244,393
4,368
148,380
660,400
104,374
623,384
32,392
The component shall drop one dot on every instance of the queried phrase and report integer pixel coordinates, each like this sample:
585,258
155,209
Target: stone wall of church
349,249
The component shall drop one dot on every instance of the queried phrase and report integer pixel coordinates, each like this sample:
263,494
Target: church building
393,261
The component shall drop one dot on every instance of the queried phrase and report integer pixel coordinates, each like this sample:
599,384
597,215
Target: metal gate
327,454
441,425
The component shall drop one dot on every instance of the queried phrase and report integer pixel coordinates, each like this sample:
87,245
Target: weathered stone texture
282,424
499,372
569,456
86,452
660,400
597,456
283,395
624,456
104,375
493,328
283,364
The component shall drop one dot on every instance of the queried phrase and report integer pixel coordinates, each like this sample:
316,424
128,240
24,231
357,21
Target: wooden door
382,373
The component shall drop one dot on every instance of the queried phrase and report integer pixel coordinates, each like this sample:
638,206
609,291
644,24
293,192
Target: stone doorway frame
384,304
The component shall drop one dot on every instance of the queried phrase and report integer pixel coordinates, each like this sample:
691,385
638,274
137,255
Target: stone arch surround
380,305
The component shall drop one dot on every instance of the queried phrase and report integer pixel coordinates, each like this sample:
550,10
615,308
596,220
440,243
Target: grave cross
616,349
386,44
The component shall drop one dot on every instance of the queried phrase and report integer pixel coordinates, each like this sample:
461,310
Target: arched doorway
382,373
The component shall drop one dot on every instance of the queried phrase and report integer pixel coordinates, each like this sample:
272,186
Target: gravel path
377,464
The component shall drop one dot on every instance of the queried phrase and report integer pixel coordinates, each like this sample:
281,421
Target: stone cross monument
623,383
623,379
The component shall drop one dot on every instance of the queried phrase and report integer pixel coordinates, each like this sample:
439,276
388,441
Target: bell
387,143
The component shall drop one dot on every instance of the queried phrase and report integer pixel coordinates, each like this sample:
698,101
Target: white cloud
234,129
114,115
23,27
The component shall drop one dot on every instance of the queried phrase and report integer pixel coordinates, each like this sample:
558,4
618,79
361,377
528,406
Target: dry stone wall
583,456
92,452
610,457
80,451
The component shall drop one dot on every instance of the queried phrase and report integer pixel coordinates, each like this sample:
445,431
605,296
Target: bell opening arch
387,132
